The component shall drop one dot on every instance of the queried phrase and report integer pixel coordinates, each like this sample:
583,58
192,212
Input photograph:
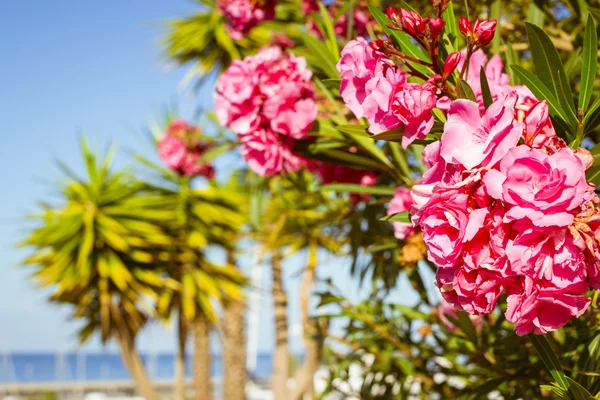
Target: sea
65,367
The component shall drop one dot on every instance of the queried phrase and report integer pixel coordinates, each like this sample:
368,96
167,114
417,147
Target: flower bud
464,26
436,25
585,156
393,15
440,5
377,45
451,63
412,23
483,32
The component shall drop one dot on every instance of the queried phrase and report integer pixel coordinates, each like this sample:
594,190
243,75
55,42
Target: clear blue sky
70,66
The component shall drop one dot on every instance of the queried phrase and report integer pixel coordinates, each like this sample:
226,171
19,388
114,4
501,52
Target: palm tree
201,217
298,218
98,248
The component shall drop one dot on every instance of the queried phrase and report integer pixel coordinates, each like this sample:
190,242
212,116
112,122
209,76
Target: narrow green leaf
485,89
535,15
331,38
541,345
495,13
451,27
550,70
593,175
578,391
540,90
398,217
327,61
355,188
465,91
393,135
360,136
512,59
590,63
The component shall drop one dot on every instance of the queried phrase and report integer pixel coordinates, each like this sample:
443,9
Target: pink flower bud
451,63
393,15
436,25
465,27
377,45
483,32
413,23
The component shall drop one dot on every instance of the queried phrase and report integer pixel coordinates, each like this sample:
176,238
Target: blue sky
94,67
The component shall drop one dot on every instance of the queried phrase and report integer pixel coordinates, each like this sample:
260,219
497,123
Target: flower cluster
243,15
180,149
374,88
505,207
268,100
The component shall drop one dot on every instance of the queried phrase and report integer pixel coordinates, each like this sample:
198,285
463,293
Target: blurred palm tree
201,217
100,249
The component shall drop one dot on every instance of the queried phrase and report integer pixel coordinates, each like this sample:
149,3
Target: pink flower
473,141
268,100
412,105
243,15
475,292
549,254
360,66
272,89
538,127
269,155
545,189
541,308
180,149
444,221
401,202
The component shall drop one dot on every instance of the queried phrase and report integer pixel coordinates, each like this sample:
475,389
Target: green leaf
327,61
465,91
541,345
355,188
495,11
360,136
451,27
215,152
549,69
485,89
331,41
511,59
593,175
535,15
590,63
578,391
411,312
595,151
398,217
540,90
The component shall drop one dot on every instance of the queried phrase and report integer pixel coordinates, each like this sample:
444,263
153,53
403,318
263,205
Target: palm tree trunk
234,346
281,356
135,366
179,387
202,360
313,337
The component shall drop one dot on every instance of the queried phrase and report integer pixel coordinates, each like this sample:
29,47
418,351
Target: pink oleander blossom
267,154
474,141
243,15
401,202
544,308
374,88
268,100
180,149
543,188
